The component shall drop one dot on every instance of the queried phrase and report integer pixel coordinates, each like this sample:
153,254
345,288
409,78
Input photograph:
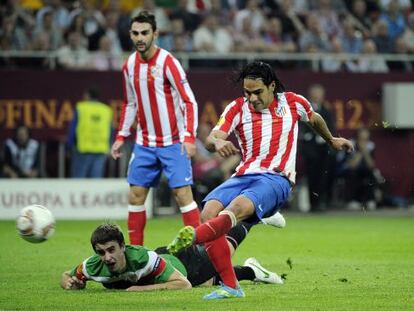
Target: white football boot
261,274
276,220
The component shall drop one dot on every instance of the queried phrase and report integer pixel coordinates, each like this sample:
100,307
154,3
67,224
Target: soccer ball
35,223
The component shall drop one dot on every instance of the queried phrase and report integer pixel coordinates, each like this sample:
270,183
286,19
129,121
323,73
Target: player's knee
183,195
136,197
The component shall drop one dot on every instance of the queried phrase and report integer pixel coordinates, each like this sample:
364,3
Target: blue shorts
268,192
147,164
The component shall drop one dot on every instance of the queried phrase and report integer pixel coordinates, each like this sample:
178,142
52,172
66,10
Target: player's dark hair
145,17
106,233
260,70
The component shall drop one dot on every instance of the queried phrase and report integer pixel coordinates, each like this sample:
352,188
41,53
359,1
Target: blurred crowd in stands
73,29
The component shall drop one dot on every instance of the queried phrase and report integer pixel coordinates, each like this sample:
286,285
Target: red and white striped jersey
159,97
268,138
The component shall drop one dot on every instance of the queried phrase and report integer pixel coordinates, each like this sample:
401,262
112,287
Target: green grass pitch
338,262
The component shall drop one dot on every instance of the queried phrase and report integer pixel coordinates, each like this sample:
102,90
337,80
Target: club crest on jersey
156,71
280,111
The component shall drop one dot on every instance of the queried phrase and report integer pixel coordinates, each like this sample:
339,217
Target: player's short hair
260,70
105,233
145,17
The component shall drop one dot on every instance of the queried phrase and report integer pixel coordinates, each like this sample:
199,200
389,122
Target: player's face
112,255
142,36
259,95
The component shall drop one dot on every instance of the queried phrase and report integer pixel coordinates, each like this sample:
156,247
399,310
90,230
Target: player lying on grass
135,268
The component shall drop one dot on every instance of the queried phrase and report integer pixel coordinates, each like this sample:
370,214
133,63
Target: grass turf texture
331,262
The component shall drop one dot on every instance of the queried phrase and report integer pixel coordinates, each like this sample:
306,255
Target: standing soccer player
158,96
265,121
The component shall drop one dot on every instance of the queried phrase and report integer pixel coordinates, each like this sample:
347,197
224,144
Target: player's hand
339,143
72,282
116,149
190,148
225,148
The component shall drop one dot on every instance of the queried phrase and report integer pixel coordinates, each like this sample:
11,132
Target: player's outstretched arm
71,282
175,281
337,143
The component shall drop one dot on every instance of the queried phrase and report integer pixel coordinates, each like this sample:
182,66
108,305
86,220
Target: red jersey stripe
141,113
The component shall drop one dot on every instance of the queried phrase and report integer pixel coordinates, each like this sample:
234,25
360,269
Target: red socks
219,253
137,219
191,215
214,228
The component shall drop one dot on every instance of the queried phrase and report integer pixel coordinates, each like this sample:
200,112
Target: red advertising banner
45,100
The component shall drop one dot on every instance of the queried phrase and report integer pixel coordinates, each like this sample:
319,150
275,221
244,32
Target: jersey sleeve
230,117
177,77
303,106
81,271
129,106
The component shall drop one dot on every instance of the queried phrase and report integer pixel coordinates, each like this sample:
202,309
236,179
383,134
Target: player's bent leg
224,292
185,238
276,220
261,274
211,209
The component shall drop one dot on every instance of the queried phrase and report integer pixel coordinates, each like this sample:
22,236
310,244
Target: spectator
59,12
384,43
314,36
394,19
48,28
23,18
292,25
370,63
73,55
408,35
21,155
328,19
248,39
163,21
211,37
110,29
78,25
360,16
41,44
105,58
224,15
254,12
361,175
275,40
177,39
90,136
190,20
319,158
91,19
12,37
404,5
331,63
351,39
401,49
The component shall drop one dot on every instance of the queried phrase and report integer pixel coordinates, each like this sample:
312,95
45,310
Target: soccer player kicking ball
265,121
135,268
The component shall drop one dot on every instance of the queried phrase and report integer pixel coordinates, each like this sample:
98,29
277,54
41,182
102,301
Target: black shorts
196,262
